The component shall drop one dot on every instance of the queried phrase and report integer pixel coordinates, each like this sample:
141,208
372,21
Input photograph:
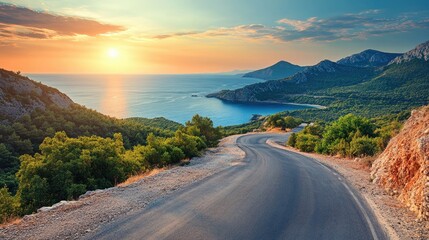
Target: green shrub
306,142
342,148
314,129
363,146
292,140
276,120
202,127
338,135
8,205
67,167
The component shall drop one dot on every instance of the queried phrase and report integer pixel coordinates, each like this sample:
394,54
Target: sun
112,53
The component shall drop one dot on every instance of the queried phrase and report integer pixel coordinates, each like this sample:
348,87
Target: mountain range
369,83
283,69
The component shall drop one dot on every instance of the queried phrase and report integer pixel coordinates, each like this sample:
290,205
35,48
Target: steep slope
403,167
421,52
325,74
20,95
279,70
369,58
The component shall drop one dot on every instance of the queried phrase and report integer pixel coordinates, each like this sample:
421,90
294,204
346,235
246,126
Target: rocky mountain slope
369,58
421,52
403,167
20,95
323,75
279,70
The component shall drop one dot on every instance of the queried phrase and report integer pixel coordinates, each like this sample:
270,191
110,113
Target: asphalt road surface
272,194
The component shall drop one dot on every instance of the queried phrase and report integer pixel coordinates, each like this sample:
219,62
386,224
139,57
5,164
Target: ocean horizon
174,96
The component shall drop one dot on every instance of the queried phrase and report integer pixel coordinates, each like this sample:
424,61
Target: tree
341,132
306,142
291,122
292,140
8,205
363,146
7,160
314,129
67,167
203,127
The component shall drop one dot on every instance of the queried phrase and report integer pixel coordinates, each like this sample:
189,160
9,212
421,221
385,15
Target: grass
152,172
11,221
140,176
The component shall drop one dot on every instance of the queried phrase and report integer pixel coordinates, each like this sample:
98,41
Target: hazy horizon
186,37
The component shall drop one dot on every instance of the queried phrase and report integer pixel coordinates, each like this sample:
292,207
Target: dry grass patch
140,176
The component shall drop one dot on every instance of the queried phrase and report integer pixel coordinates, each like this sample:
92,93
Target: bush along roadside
349,136
65,167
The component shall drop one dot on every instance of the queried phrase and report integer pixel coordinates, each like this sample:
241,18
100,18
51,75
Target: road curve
271,194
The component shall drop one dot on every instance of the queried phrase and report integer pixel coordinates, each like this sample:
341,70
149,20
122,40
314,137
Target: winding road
271,194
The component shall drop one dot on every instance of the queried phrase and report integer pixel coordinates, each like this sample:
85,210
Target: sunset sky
198,36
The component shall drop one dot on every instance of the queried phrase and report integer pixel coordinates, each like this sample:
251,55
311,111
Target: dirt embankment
403,168
75,219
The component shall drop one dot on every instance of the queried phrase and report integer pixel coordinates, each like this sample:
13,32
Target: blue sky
225,33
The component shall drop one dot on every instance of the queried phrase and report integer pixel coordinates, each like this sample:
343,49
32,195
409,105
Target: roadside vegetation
278,120
243,128
282,122
348,136
65,166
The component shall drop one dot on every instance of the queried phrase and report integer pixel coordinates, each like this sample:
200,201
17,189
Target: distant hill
158,122
367,91
20,95
369,58
279,70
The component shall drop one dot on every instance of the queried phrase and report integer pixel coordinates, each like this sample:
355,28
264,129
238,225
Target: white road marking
371,227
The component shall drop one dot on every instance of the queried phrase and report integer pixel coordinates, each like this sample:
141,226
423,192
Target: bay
175,97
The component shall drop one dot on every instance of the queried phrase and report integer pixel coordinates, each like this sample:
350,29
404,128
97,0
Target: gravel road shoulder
75,219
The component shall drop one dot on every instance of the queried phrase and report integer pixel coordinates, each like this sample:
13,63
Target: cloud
298,24
178,34
23,22
344,27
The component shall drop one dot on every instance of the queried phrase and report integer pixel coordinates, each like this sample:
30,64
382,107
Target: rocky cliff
403,167
369,58
421,52
20,95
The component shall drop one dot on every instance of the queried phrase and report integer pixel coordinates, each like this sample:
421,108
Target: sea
175,97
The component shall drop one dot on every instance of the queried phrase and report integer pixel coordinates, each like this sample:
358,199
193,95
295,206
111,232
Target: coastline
295,104
270,102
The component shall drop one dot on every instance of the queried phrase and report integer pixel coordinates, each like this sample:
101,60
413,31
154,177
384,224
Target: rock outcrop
421,52
403,167
369,58
279,70
20,95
